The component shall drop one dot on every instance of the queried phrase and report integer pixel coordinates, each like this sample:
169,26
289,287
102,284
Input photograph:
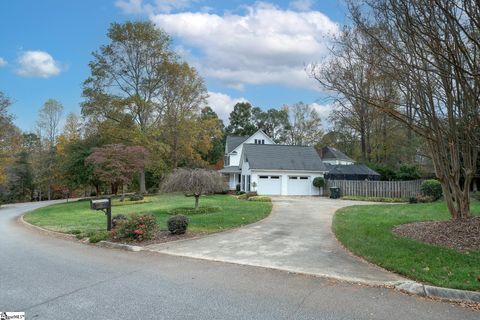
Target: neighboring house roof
330,153
231,169
350,169
233,142
282,157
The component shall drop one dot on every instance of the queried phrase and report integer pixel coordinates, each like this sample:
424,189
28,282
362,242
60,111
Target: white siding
259,135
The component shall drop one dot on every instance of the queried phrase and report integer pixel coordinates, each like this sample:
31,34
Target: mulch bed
161,237
463,235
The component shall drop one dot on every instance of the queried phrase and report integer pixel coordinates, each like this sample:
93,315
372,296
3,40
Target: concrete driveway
296,237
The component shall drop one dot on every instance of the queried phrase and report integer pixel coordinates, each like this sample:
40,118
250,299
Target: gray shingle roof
231,169
332,153
283,157
352,169
233,142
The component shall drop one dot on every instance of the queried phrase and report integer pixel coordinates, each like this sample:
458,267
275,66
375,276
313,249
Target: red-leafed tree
117,164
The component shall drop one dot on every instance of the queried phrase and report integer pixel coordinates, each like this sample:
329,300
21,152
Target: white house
233,152
256,163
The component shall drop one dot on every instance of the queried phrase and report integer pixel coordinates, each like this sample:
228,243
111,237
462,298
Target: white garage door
298,186
271,185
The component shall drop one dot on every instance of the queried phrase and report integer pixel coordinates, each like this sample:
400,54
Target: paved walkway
296,237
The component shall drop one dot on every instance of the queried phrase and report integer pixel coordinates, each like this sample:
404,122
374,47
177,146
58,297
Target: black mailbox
99,204
103,204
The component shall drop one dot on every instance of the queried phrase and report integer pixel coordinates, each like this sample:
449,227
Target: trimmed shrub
245,196
260,199
319,182
412,200
190,210
237,187
136,197
177,224
431,188
98,236
117,218
138,227
242,196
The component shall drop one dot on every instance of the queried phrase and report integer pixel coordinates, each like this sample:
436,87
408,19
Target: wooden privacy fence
387,189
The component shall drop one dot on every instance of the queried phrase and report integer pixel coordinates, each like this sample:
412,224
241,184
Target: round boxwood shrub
431,188
319,182
177,224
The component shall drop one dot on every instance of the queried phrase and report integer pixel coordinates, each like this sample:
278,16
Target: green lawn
76,217
366,231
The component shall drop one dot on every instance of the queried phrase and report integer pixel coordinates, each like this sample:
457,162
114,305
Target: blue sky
245,50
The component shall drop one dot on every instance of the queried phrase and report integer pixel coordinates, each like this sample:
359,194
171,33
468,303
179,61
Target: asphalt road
51,278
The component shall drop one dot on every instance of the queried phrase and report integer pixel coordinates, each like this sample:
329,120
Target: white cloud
37,64
266,45
301,5
324,111
2,62
152,7
223,104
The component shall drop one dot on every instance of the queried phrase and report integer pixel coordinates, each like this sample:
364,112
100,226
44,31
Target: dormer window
234,152
259,141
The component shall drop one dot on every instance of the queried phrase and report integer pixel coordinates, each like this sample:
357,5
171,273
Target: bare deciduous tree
430,52
194,182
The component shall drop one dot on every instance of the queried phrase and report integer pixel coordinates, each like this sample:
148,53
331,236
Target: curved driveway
297,237
50,278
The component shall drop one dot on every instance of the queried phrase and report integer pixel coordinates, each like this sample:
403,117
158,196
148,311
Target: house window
227,161
303,178
263,177
292,178
259,141
274,177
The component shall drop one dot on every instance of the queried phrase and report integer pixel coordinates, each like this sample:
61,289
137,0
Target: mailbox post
106,206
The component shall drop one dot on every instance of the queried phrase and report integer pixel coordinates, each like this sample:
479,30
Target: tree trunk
49,192
97,191
123,193
197,198
141,182
448,171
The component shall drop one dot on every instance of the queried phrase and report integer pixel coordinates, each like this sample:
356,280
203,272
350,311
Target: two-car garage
280,170
284,184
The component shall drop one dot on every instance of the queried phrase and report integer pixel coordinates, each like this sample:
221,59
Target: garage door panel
298,186
269,185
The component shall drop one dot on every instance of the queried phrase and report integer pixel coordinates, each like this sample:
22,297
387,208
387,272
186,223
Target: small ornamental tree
319,182
117,164
194,182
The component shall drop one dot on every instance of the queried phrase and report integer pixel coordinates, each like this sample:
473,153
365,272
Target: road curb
46,231
425,290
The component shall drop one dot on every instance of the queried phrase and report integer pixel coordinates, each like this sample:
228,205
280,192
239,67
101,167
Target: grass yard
76,217
366,231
